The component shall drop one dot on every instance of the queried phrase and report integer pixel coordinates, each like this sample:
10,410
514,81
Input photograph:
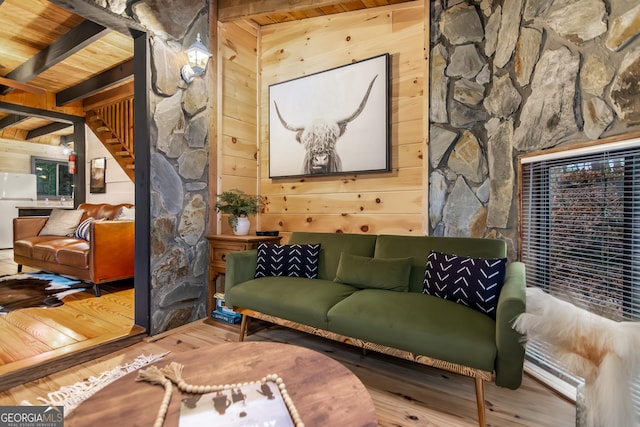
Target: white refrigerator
15,189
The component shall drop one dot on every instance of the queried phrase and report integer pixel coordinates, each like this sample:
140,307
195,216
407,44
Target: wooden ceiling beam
42,102
22,86
39,112
91,11
232,10
12,120
102,81
74,40
47,129
108,97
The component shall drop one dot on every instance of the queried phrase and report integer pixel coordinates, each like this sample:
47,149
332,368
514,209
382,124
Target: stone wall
514,76
179,159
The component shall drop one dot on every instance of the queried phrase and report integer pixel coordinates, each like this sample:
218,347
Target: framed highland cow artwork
334,122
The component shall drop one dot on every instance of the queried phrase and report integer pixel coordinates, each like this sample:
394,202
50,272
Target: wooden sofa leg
244,325
482,421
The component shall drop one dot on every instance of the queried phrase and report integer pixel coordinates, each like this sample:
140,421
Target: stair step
112,141
95,118
122,154
131,166
103,129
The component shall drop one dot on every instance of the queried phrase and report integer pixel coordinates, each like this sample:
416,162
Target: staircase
113,125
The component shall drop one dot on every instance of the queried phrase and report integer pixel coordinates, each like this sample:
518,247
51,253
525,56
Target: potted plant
239,206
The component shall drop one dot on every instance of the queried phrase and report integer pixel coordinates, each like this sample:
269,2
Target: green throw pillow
377,273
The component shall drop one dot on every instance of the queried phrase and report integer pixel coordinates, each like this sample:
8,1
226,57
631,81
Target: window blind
580,235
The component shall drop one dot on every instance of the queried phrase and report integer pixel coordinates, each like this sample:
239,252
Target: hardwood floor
404,393
37,341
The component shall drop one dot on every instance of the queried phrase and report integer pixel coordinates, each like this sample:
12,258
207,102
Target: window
52,177
580,233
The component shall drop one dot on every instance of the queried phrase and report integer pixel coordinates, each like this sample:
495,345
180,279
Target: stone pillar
179,160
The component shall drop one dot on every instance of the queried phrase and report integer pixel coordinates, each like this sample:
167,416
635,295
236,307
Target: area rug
73,395
39,289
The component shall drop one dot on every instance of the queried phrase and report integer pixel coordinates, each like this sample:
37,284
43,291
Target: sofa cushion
74,254
24,247
418,323
381,273
333,244
300,300
474,282
288,260
48,250
62,222
418,247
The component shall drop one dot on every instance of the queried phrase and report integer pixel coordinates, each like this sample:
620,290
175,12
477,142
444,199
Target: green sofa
409,324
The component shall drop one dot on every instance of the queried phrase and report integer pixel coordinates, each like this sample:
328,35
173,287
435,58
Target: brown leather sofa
107,256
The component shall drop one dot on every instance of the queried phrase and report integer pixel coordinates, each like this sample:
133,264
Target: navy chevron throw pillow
474,282
288,260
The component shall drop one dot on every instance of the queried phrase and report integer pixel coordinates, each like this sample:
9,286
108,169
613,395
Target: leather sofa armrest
28,226
510,358
111,250
241,266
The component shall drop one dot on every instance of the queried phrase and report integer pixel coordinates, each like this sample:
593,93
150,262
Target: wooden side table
219,246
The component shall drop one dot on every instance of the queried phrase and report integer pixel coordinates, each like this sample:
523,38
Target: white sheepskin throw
603,352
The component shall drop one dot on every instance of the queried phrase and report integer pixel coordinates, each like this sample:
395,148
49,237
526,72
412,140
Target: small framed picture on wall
97,181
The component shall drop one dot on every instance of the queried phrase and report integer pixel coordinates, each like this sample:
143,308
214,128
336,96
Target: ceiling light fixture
198,56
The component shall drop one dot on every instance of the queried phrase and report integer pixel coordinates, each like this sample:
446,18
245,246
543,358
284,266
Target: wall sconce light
198,57
66,146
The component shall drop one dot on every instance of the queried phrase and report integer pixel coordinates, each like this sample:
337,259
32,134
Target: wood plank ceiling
54,60
51,59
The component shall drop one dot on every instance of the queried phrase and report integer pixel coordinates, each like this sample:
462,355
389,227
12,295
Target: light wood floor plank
46,363
47,317
16,344
404,393
81,322
53,337
100,312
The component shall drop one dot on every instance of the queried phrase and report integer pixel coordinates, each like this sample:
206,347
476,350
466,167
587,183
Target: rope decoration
172,373
154,375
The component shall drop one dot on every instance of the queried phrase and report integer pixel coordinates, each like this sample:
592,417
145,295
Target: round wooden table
324,392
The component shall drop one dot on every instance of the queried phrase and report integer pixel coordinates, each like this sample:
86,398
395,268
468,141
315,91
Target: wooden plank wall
237,148
15,156
366,203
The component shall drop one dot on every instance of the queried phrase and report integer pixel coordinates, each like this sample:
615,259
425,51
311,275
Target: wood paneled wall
375,203
237,149
364,203
15,156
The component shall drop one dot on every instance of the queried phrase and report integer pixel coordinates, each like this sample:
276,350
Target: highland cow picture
332,122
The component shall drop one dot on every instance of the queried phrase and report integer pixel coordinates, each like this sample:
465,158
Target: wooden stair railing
113,125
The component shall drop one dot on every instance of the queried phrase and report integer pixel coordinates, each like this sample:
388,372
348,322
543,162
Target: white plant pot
242,226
